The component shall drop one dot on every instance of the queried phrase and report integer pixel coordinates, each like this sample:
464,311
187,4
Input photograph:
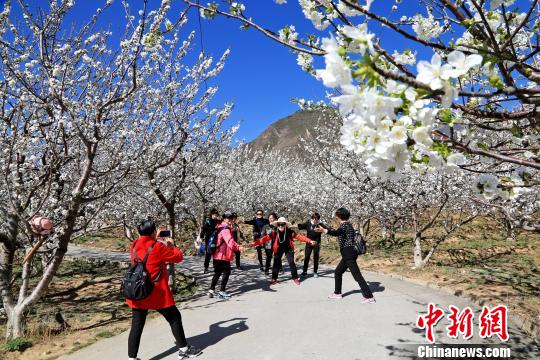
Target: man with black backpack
349,253
145,287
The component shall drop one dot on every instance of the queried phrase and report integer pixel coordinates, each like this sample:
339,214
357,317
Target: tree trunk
418,261
14,323
417,256
509,226
170,267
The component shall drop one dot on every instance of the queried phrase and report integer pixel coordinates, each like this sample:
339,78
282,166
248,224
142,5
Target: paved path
289,322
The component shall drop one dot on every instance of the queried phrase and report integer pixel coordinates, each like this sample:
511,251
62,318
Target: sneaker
296,281
211,293
266,272
273,282
303,275
368,301
315,275
223,295
205,270
191,352
335,296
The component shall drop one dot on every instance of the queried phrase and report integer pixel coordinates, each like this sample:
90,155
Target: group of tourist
221,236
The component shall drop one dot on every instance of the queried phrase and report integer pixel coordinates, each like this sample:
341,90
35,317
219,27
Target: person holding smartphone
161,250
283,244
346,236
310,226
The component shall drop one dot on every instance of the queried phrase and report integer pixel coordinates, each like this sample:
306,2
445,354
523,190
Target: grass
88,298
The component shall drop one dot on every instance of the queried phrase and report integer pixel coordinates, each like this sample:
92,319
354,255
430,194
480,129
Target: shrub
17,344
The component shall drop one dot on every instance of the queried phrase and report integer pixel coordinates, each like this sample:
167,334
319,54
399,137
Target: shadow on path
374,286
215,334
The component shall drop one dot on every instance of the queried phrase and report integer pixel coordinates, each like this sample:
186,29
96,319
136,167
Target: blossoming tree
475,99
76,121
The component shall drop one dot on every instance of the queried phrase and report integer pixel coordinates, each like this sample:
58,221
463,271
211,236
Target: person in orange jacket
283,244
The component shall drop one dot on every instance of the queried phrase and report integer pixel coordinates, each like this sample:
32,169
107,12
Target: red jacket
291,234
225,244
161,296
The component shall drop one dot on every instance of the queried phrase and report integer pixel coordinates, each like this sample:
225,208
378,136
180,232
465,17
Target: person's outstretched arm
264,239
303,238
334,232
303,226
250,222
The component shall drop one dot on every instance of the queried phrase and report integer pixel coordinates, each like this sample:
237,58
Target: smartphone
165,234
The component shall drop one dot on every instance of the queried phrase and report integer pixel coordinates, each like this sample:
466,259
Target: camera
165,234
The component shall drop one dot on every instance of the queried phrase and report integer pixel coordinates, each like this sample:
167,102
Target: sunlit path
295,322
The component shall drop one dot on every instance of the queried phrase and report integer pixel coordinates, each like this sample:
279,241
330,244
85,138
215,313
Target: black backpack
212,241
137,284
360,245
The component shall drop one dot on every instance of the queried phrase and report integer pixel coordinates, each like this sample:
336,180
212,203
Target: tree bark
418,262
14,324
172,224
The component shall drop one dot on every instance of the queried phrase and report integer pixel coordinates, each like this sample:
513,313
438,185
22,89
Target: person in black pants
310,226
267,230
210,224
282,239
225,249
157,253
346,236
173,317
237,235
258,223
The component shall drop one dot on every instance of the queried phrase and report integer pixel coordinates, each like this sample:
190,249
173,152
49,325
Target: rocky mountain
284,134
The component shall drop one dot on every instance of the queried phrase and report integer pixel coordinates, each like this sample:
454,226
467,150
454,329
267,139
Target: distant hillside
284,135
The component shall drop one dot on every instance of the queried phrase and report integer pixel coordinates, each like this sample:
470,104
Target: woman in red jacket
283,243
225,252
161,298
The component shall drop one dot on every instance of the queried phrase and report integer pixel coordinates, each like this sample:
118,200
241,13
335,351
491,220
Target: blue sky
261,76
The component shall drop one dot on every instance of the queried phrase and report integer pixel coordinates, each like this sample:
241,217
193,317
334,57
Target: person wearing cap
210,224
346,236
283,244
258,223
225,248
237,234
310,226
